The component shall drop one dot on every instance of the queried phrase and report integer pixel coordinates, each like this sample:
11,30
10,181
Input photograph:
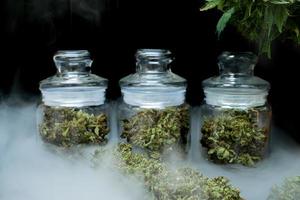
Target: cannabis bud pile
156,130
67,127
165,184
234,137
289,190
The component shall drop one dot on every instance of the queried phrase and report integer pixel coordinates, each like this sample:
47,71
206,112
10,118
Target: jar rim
246,56
71,55
153,54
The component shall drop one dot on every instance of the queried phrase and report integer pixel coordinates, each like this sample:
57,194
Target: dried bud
234,137
156,130
66,127
164,184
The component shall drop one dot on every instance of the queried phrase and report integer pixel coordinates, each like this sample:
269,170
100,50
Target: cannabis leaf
211,4
224,20
259,21
280,17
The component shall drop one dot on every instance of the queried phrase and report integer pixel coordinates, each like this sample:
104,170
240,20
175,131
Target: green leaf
280,17
248,11
265,47
282,2
298,36
269,20
210,4
297,31
261,21
294,30
224,20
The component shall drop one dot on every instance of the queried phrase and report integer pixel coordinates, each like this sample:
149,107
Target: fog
29,171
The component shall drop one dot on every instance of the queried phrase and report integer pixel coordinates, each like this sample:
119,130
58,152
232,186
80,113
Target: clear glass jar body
235,115
73,111
153,116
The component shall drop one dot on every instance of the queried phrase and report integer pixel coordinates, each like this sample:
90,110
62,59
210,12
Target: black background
33,30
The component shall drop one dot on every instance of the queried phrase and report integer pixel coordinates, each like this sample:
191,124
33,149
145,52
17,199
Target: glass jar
235,114
154,116
73,110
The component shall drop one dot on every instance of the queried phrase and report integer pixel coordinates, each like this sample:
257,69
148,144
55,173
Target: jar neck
153,60
237,64
150,67
73,63
73,68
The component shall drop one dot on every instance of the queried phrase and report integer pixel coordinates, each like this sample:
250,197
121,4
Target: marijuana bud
234,137
156,130
67,127
164,184
289,190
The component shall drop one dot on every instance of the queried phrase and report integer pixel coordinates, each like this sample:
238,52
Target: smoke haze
29,171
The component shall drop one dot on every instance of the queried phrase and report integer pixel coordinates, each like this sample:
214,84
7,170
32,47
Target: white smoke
29,171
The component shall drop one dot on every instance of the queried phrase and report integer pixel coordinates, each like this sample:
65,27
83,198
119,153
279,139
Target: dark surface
32,30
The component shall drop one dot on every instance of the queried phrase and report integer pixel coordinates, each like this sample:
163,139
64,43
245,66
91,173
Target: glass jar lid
153,85
236,86
73,85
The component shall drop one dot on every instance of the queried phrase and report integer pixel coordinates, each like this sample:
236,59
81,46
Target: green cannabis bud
164,184
234,137
66,127
156,130
289,190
